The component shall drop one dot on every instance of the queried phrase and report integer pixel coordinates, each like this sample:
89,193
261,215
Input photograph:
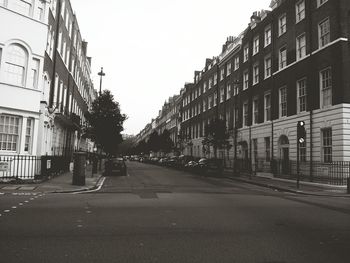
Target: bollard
79,168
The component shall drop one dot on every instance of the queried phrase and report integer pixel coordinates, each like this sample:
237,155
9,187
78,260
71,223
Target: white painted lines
22,203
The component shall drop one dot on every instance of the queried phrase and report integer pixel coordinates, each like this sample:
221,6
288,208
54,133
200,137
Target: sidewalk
286,185
58,184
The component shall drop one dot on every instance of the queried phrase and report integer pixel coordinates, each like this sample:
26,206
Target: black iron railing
19,166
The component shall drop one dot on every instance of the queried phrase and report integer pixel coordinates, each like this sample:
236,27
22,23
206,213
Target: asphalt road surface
162,215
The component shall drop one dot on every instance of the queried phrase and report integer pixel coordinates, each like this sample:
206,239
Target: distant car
213,165
115,166
191,166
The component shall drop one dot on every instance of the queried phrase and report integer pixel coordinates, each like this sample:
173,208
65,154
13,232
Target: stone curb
77,190
284,189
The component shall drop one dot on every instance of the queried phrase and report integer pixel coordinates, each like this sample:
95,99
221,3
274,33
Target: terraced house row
291,63
45,79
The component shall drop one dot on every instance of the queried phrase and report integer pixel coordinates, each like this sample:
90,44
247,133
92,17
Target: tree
127,146
105,123
153,142
217,136
166,144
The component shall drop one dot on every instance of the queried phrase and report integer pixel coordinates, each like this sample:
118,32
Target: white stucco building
22,48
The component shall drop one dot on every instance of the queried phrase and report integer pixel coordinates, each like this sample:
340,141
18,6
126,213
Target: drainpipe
311,148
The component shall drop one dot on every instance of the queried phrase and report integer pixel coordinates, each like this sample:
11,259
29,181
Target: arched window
16,65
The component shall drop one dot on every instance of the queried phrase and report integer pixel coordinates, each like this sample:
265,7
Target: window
34,74
246,53
326,87
321,2
9,132
256,45
236,66
15,65
236,117
267,36
204,105
29,135
255,74
222,94
215,79
40,9
205,86
282,58
55,91
301,89
267,149
255,111
228,69
215,98
210,102
300,11
222,73
21,6
267,107
282,24
245,114
228,91
235,89
255,150
301,46
283,101
59,43
245,80
327,145
267,66
324,33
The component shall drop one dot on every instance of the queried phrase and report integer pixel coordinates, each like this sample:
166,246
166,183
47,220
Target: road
156,214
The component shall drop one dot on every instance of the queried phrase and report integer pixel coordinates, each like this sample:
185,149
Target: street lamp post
101,74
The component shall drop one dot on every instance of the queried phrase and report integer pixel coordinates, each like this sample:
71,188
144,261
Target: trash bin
79,168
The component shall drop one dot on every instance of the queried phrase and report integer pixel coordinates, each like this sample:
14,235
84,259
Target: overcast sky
150,48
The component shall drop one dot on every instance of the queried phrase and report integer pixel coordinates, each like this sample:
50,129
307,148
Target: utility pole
101,74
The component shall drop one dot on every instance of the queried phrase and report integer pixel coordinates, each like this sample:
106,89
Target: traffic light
301,132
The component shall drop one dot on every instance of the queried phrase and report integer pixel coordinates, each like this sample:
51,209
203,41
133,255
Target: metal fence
19,167
26,167
334,173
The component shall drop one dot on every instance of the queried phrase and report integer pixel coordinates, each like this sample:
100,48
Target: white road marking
20,204
6,211
14,207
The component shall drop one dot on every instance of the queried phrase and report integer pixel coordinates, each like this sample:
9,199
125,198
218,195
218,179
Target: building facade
289,64
44,79
68,87
22,59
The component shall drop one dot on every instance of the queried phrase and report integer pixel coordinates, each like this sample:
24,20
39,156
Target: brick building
289,64
68,89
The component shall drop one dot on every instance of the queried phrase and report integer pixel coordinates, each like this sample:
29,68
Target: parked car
172,161
163,161
191,166
115,166
210,166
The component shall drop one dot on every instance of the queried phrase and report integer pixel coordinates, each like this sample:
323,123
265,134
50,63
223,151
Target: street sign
48,164
4,167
